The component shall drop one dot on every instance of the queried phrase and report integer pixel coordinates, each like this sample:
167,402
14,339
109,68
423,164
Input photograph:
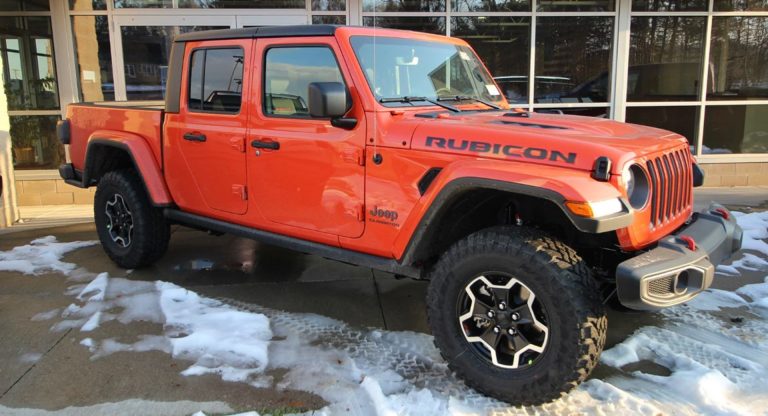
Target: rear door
315,179
205,144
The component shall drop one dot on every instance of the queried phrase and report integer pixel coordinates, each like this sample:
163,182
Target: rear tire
133,233
533,298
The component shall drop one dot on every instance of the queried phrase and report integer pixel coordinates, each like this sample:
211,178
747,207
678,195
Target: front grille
662,286
671,178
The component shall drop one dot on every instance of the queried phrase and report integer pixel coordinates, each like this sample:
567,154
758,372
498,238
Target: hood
551,139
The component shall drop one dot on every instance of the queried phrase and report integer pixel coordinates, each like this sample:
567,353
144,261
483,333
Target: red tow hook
722,212
688,240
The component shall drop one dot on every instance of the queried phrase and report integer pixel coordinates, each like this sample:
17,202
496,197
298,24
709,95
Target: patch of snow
46,316
31,357
92,322
40,256
755,226
96,289
715,300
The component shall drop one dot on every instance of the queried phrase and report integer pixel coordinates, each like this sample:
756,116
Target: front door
305,173
205,147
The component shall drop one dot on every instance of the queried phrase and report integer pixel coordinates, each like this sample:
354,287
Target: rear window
216,80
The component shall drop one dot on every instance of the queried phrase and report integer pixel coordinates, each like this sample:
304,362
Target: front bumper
672,273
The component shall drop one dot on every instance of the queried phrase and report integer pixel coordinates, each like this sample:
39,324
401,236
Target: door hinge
361,212
238,143
241,191
361,157
354,156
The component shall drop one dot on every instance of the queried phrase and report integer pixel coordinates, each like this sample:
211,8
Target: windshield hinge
241,191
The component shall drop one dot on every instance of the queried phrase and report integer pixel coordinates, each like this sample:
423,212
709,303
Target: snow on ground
40,256
715,348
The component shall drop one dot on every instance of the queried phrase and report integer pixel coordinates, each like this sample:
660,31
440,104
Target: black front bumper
672,273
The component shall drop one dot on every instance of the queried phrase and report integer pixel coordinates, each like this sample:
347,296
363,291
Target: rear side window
216,80
288,71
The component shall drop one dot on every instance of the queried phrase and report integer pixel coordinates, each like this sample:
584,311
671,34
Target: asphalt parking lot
41,368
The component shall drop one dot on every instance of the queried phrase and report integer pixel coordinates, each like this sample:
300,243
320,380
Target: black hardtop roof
259,32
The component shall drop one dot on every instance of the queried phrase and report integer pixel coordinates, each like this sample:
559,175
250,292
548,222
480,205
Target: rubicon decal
508,150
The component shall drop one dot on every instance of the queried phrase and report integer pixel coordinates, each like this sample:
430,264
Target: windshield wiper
468,98
410,99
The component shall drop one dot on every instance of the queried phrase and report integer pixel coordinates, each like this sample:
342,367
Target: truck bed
114,119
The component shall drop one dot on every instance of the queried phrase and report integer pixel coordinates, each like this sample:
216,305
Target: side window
288,71
215,80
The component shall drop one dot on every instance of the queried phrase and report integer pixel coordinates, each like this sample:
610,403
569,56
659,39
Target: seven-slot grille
671,179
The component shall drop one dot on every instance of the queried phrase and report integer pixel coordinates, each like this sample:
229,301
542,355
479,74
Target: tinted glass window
216,80
288,73
738,58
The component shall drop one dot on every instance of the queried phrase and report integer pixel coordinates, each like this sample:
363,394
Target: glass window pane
329,5
29,69
738,58
665,58
491,5
434,25
576,5
736,129
669,5
34,142
601,112
94,59
84,5
329,20
242,4
492,38
739,5
223,80
24,5
404,6
134,4
146,60
681,120
573,59
288,73
195,91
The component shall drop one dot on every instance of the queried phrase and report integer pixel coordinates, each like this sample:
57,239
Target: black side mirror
327,99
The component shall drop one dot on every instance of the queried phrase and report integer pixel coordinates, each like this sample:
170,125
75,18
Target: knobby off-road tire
569,327
133,233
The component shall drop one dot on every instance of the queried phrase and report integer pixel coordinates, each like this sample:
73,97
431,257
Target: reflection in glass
329,5
216,80
329,20
576,5
93,57
681,120
242,4
403,5
491,5
29,70
288,73
34,144
739,58
669,5
665,58
740,5
493,38
146,60
573,59
85,5
24,5
119,4
736,129
434,25
601,112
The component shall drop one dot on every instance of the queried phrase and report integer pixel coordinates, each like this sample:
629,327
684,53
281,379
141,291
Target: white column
10,212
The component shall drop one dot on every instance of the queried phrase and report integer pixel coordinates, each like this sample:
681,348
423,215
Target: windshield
399,68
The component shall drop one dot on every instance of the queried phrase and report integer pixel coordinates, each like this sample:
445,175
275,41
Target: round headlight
636,183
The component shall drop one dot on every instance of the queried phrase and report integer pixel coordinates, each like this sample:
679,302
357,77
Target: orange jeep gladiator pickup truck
396,150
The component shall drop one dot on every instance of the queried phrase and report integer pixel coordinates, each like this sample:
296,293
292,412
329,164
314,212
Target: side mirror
327,99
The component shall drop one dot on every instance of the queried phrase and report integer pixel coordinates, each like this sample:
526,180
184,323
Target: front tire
133,233
516,315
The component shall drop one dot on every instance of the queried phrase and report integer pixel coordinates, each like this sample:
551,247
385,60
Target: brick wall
51,192
735,174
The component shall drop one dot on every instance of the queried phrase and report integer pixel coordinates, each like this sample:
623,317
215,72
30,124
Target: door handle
265,145
194,137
